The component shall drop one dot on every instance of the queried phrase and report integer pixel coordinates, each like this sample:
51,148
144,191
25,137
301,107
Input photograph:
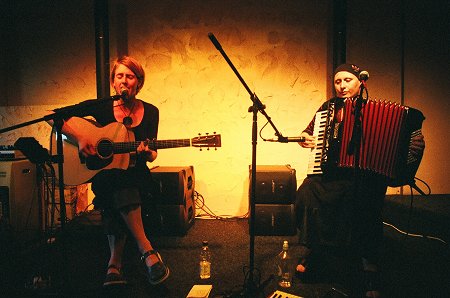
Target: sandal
372,283
114,279
158,272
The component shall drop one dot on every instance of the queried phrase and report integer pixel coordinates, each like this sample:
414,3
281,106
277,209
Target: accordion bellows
386,130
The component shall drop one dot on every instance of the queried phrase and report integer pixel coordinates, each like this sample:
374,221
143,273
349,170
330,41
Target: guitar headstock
207,141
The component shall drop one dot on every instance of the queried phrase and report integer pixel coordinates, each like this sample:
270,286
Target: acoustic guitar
115,148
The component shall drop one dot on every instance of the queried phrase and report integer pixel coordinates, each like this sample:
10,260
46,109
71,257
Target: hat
351,68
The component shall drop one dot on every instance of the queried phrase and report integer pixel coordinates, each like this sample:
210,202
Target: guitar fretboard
125,147
155,144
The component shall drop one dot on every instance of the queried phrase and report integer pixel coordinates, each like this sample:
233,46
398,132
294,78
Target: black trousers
342,208
116,190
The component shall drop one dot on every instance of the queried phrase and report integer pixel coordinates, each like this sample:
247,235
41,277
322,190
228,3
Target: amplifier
9,152
275,184
20,199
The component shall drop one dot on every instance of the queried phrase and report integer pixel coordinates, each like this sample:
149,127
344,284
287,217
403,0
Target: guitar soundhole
104,149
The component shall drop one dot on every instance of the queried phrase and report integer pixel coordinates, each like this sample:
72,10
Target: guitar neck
124,147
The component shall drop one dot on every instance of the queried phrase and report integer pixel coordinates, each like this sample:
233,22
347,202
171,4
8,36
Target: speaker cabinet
172,220
172,212
21,206
174,185
275,184
275,219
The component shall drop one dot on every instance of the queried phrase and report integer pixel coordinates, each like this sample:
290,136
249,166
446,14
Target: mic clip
282,139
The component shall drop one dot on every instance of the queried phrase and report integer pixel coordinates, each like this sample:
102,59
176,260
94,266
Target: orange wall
280,48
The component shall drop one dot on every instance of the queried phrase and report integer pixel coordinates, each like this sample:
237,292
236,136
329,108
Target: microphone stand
79,110
251,289
355,141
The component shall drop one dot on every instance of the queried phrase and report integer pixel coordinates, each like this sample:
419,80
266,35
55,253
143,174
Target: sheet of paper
199,291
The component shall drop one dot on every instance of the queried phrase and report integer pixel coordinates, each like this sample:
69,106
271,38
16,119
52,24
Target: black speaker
168,219
172,209
275,219
173,185
275,184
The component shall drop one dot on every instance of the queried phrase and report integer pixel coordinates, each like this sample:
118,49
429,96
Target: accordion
384,131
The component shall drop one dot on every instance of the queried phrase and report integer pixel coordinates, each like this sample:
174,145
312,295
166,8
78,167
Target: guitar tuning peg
207,133
199,134
214,132
215,148
207,149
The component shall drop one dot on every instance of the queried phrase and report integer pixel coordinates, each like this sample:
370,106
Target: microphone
124,93
214,41
364,75
287,139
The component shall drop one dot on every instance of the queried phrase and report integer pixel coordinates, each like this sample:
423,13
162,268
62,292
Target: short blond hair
134,66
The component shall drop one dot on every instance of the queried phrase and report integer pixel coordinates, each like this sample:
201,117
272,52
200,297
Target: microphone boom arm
80,110
259,105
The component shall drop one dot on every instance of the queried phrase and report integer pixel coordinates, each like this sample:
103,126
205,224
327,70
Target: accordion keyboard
315,156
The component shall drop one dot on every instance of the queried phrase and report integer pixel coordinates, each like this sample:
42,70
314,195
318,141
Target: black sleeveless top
109,181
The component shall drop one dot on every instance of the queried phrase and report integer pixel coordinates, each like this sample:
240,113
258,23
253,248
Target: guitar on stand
116,148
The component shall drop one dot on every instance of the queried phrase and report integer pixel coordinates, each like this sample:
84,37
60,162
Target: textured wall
280,48
280,51
197,91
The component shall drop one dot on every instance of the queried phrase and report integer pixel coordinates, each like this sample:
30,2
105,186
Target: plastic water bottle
205,261
285,266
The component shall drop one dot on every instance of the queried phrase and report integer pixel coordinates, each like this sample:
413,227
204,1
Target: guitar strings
129,146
